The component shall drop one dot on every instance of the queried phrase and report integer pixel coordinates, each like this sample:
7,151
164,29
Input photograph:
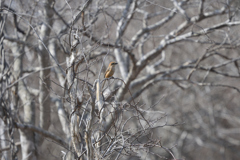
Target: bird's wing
108,69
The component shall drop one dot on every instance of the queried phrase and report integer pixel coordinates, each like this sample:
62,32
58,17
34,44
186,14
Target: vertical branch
121,28
72,90
3,109
29,150
100,101
88,133
44,61
61,112
201,8
100,105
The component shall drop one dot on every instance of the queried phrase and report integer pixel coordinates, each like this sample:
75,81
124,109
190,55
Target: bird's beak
115,63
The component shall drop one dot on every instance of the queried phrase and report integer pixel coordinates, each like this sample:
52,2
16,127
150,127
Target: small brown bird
110,71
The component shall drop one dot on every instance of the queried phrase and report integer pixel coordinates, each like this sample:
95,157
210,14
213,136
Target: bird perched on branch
110,71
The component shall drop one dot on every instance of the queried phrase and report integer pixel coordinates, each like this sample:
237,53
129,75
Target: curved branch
42,132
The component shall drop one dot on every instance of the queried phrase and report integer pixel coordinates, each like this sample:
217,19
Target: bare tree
174,94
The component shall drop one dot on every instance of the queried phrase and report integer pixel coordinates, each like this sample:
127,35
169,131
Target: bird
110,71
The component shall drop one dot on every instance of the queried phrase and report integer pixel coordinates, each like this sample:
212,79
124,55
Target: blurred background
175,91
